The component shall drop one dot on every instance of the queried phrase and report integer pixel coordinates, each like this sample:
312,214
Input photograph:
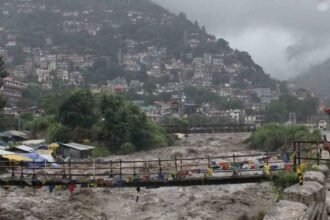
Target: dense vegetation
109,121
272,137
278,111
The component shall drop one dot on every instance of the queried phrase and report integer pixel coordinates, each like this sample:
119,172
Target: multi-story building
12,90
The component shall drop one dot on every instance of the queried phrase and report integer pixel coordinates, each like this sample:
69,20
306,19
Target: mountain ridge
107,28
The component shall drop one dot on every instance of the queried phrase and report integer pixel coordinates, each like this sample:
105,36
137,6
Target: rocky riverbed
241,201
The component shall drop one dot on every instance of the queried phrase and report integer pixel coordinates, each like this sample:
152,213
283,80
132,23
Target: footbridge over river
230,169
310,197
210,128
223,169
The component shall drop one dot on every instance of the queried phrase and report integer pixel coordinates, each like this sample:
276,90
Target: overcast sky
284,36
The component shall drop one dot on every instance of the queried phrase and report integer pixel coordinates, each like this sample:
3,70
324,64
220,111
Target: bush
127,148
101,152
283,180
39,125
272,137
58,133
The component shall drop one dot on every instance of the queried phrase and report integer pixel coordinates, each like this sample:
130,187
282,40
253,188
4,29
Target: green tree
272,137
123,122
31,95
149,87
78,110
276,111
58,133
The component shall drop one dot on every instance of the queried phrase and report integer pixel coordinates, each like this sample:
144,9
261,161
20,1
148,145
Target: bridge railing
204,128
177,169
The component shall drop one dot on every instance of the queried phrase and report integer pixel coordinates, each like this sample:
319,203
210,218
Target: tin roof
25,148
80,147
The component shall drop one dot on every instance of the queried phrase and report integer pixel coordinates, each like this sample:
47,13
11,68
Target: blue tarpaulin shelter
42,147
38,161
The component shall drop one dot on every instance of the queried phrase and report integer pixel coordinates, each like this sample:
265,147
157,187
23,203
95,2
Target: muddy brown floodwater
227,202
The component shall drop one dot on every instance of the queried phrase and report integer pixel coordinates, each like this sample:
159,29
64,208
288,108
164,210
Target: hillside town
226,73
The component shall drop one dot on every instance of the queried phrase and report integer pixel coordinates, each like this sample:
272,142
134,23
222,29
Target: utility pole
19,123
292,118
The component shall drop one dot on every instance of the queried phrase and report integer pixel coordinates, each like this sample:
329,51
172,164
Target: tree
149,87
58,133
77,111
32,95
276,111
123,122
272,137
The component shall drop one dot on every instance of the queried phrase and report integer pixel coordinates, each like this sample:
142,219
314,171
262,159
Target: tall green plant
283,180
272,137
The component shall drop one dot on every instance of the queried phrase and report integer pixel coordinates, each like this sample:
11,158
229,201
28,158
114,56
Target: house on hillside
12,90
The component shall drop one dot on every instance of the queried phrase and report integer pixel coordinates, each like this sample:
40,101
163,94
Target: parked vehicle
322,124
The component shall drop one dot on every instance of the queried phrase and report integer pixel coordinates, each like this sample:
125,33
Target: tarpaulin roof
47,154
42,147
4,152
34,157
12,133
80,147
24,148
53,146
40,160
16,157
34,142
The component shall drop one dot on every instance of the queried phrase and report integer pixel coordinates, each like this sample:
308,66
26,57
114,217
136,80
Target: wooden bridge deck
145,173
226,128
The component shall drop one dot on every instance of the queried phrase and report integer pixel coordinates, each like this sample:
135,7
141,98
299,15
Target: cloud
284,37
323,6
274,43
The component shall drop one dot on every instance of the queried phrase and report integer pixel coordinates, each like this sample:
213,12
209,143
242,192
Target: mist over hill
317,79
284,37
